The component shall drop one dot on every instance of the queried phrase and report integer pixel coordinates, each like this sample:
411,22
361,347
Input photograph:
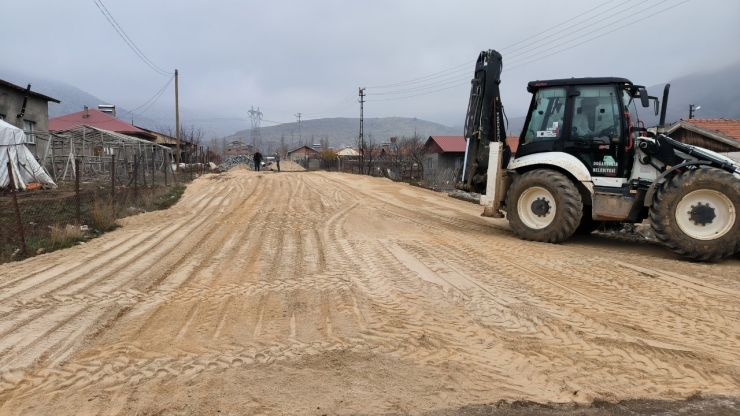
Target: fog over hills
343,132
717,92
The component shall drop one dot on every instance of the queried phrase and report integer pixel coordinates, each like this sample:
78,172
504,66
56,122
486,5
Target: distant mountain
344,131
717,92
72,98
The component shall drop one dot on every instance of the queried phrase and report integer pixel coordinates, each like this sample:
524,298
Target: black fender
660,179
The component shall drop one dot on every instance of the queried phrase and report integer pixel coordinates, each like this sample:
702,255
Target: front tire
696,214
544,205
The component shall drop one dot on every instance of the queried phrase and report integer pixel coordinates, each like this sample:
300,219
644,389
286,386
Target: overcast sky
307,56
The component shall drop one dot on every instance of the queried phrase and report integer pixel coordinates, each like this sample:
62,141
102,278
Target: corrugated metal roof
97,119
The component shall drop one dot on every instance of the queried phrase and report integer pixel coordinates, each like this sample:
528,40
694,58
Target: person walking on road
257,160
277,160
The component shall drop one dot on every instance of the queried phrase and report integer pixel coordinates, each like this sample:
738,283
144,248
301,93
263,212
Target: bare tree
416,147
283,147
324,141
371,148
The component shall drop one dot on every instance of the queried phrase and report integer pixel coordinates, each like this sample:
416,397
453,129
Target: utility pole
300,138
291,141
177,124
362,138
692,110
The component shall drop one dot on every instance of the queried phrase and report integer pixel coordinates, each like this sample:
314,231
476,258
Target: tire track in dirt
19,353
672,350
200,295
293,269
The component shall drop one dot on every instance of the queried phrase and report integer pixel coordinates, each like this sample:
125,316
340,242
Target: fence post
17,209
77,190
112,177
142,155
165,166
136,178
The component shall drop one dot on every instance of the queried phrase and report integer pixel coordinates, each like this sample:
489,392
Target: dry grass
62,236
103,215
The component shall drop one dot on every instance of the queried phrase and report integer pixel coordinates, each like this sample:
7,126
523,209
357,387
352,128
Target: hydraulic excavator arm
484,128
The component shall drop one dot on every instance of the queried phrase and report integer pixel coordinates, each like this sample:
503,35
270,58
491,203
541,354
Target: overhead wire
155,97
109,17
340,103
557,25
596,37
449,81
585,27
465,66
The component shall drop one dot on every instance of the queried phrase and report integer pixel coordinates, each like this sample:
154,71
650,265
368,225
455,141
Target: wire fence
87,203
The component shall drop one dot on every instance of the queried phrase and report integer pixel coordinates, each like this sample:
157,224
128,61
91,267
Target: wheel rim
536,207
705,214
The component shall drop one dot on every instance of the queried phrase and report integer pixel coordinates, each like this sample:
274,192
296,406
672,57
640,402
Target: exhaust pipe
661,125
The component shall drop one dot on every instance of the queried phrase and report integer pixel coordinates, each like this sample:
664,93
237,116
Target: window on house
29,127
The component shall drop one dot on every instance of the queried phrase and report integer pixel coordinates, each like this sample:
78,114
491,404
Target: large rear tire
697,214
544,205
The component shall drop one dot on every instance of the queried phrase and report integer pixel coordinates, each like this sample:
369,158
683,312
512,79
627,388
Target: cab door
595,135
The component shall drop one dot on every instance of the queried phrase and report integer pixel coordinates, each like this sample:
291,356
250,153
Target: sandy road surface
313,293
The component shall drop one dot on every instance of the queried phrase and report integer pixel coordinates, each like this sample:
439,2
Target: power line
559,25
596,37
155,99
571,33
534,60
416,95
340,103
447,79
467,64
109,17
431,76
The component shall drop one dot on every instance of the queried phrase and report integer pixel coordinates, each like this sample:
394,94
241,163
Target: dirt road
315,293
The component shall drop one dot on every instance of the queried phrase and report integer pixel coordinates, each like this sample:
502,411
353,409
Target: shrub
63,236
103,216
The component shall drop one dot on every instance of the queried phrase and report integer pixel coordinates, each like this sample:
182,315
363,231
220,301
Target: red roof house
446,144
103,121
718,134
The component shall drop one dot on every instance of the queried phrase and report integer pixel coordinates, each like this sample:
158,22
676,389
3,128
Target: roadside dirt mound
333,293
242,166
287,166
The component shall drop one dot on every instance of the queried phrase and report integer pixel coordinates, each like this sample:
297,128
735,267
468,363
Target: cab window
596,113
546,120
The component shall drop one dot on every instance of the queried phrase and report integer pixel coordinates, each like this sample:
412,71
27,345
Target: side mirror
644,100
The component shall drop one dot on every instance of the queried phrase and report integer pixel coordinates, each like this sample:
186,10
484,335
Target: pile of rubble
229,161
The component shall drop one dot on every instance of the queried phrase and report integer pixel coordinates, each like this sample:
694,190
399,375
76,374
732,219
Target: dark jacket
257,157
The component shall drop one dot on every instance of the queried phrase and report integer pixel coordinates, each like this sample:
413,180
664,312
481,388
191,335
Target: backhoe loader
585,158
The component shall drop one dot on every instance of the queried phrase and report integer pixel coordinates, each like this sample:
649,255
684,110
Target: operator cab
593,119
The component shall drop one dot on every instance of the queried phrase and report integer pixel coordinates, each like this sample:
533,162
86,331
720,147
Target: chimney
85,114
